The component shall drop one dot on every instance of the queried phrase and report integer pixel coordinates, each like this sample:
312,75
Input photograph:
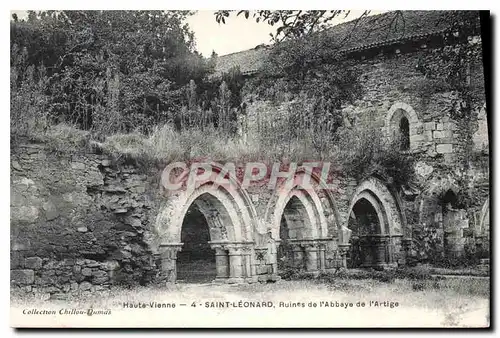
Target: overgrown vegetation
113,72
365,152
164,104
133,81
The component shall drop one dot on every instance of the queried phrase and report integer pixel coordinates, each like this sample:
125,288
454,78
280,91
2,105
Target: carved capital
344,249
170,250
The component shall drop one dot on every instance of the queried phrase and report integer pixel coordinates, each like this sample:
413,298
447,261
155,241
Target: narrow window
404,133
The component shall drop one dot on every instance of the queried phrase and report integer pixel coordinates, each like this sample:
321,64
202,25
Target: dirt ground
462,302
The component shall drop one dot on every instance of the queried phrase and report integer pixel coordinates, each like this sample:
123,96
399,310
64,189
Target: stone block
430,126
168,264
20,244
444,148
16,259
439,126
84,286
99,277
427,134
33,262
22,276
25,213
417,138
133,221
111,265
262,269
16,166
87,272
437,134
74,286
78,165
449,158
50,210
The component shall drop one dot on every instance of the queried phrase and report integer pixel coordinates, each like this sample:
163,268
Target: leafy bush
364,151
109,71
29,103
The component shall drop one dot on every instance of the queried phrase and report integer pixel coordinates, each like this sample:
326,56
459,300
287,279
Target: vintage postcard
252,168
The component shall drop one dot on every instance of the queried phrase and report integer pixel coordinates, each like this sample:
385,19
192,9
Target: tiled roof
358,35
249,61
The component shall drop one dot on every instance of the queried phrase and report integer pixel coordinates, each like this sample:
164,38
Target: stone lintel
171,245
170,249
309,242
233,246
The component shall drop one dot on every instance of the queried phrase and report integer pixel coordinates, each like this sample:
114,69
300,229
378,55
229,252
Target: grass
167,145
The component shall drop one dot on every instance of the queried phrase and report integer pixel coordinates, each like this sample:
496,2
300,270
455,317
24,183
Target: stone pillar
311,250
343,250
406,244
168,257
272,255
249,272
221,263
298,256
321,256
235,264
380,243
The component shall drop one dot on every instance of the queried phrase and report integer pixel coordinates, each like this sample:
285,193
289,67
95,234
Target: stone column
272,255
343,249
322,256
249,272
406,244
380,244
311,250
221,263
235,264
168,257
298,255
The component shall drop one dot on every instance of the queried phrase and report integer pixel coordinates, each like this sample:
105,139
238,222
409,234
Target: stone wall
448,139
79,221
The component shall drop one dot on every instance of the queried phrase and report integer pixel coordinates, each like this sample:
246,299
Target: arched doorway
228,214
196,260
206,221
377,226
295,225
368,244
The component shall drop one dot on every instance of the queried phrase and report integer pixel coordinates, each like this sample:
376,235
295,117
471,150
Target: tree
291,23
145,57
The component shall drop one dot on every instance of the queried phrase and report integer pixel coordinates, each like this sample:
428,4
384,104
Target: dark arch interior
366,218
196,260
450,215
365,226
294,224
449,200
404,132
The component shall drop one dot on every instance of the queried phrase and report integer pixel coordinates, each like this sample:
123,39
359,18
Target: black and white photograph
250,168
